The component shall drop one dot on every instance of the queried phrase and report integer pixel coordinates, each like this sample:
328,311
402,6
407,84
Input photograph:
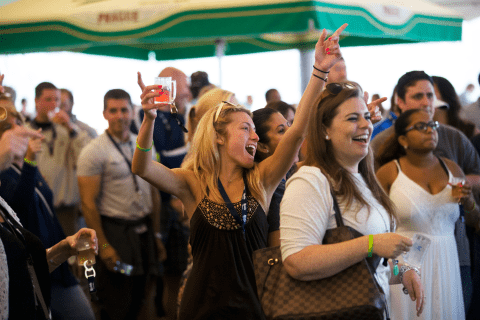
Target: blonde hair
209,100
203,157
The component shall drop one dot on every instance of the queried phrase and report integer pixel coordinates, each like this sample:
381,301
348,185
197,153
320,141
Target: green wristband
32,163
370,245
143,149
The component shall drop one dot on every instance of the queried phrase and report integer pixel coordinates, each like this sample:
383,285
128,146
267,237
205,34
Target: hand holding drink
86,250
83,244
460,189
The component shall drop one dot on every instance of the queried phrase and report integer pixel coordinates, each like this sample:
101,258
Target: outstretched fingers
335,36
140,81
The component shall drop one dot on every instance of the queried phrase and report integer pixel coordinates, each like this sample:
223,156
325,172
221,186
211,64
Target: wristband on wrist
370,245
32,163
143,149
324,79
320,70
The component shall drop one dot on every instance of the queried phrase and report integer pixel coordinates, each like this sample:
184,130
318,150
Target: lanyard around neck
126,160
241,221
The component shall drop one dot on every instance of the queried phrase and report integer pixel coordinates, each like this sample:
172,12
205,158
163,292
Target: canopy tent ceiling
179,29
468,9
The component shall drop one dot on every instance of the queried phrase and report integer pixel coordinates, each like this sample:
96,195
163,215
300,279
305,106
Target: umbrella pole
306,67
220,45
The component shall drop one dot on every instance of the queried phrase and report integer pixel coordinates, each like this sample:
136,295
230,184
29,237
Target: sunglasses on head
221,107
3,113
336,88
423,127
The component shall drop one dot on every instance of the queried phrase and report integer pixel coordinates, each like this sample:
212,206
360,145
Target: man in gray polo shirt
120,207
415,91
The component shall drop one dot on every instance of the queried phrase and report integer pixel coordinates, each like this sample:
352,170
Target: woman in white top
421,185
339,156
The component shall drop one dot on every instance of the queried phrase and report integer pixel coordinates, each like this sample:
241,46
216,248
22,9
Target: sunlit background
376,68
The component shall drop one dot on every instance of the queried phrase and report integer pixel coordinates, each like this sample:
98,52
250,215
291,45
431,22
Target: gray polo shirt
117,190
453,145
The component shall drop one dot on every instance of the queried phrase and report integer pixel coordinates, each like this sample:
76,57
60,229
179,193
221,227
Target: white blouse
306,212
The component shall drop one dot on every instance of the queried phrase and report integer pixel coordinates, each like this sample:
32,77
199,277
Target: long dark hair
320,152
449,95
281,107
260,118
391,148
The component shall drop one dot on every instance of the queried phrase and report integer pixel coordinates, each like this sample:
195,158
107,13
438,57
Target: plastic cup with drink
86,251
457,185
167,90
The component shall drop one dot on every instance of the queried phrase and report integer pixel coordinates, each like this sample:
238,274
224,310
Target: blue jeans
70,303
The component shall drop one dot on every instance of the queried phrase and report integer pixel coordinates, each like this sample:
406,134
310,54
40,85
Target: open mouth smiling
363,138
251,149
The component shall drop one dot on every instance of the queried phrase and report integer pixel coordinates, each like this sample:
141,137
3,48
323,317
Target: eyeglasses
220,109
422,126
174,113
336,88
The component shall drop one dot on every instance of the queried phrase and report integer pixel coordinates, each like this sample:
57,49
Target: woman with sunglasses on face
226,194
420,185
340,161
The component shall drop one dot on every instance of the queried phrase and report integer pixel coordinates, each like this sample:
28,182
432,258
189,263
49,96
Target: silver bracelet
406,267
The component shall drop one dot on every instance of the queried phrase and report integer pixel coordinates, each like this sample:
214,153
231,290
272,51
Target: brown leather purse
350,294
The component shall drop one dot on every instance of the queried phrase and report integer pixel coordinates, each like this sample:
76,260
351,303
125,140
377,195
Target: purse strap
338,214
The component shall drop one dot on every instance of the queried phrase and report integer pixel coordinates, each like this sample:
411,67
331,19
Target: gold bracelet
32,163
143,149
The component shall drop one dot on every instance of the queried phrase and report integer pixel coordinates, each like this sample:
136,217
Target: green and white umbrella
180,29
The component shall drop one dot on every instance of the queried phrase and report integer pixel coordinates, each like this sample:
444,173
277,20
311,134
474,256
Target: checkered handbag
350,294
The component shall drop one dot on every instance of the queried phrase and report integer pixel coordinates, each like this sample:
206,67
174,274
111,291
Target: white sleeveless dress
419,211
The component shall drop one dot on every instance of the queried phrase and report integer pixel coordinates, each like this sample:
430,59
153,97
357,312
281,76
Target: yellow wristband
32,163
143,149
370,245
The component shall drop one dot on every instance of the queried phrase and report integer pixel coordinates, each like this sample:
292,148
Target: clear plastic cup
86,252
415,256
457,185
168,90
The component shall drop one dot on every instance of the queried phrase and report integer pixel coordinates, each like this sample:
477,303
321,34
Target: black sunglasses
336,88
423,127
174,113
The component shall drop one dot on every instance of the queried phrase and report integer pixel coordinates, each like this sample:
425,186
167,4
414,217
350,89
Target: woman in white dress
420,185
339,158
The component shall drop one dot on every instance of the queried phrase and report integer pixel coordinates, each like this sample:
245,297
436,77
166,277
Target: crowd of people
175,217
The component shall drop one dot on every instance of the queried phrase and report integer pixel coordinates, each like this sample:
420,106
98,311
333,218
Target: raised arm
327,53
165,179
